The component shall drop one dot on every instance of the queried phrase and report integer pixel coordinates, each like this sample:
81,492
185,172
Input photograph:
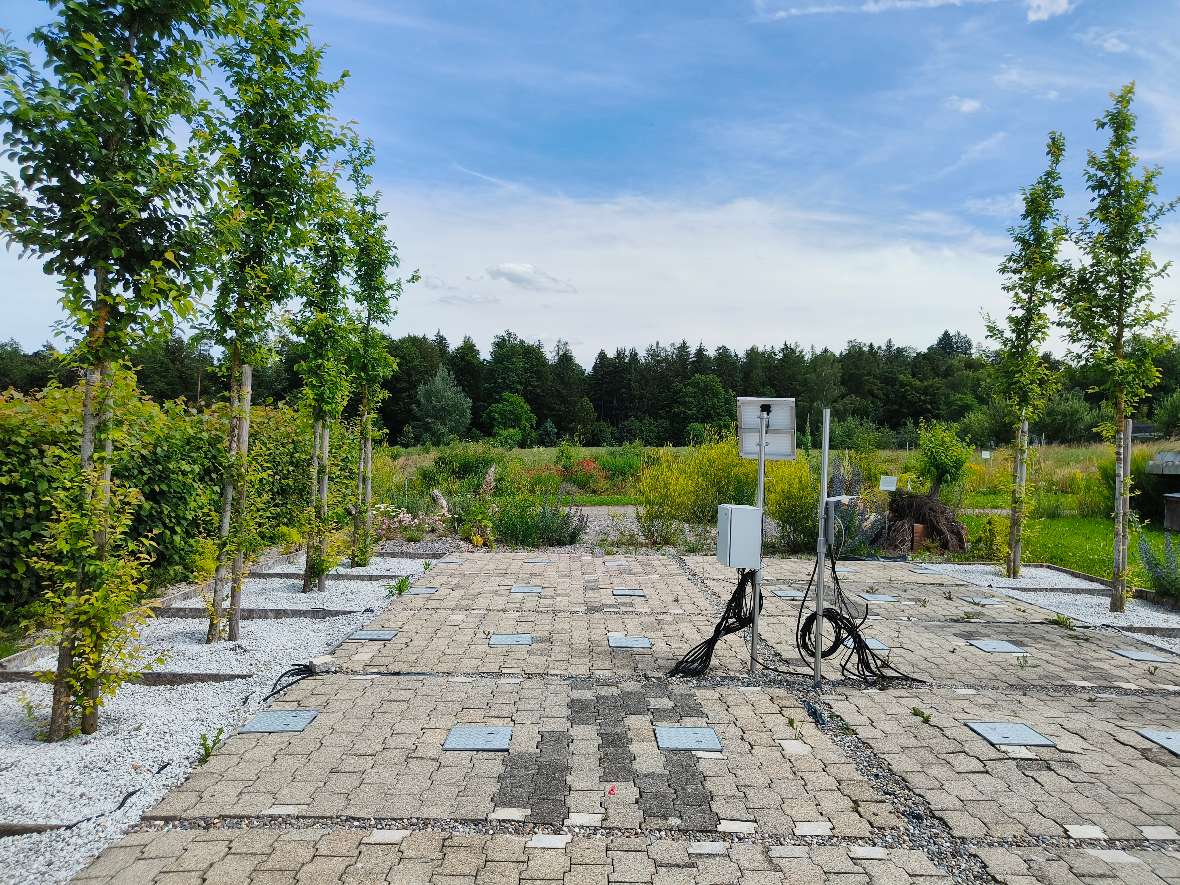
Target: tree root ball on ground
942,526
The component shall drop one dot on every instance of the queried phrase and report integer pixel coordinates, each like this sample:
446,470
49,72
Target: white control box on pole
766,431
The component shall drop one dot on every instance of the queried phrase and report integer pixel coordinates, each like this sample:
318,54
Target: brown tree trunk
1118,593
360,518
322,579
217,605
1016,524
313,528
242,475
63,698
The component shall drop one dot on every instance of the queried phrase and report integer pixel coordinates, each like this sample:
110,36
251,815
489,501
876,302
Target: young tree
1032,274
324,326
442,411
1108,305
942,456
106,200
373,257
512,421
270,133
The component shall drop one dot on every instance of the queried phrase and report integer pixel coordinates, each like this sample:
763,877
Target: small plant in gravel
1065,622
399,588
209,745
921,714
968,616
1024,662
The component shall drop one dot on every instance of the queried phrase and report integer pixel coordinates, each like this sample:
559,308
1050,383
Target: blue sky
734,172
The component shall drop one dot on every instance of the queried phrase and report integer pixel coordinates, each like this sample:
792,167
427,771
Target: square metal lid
683,737
276,721
1010,734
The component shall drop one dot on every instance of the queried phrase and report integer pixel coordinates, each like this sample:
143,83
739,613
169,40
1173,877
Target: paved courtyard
590,765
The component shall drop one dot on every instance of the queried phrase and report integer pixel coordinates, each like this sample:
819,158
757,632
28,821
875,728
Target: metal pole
821,554
763,420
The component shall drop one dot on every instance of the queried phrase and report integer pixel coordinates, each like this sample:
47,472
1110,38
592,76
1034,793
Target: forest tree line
663,394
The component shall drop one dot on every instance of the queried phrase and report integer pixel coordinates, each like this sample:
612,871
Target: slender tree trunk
322,578
313,528
360,518
1118,594
368,496
92,685
242,475
217,607
1016,523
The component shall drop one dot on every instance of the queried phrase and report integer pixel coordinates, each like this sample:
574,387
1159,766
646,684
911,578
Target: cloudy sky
732,171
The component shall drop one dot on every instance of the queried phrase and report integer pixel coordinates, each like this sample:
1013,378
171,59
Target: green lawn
1084,543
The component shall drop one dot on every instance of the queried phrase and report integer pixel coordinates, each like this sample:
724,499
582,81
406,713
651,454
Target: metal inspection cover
629,591
510,639
619,640
1136,654
540,560
616,563
982,600
451,560
873,644
1010,734
374,635
788,594
479,738
1169,740
683,737
878,597
275,721
525,588
998,646
421,591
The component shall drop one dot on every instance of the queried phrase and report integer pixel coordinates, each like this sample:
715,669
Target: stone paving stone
1101,773
1016,866
447,858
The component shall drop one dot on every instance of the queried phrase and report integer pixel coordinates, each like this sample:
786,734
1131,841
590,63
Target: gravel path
378,565
339,594
148,740
1031,577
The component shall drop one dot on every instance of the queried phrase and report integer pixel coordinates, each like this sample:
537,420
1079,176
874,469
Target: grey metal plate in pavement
628,591
1136,654
1010,734
617,640
510,639
275,721
788,594
525,588
982,600
373,635
1169,740
683,737
421,591
874,644
540,560
479,738
998,646
878,597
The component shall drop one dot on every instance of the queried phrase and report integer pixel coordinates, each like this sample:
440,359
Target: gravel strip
339,594
378,565
148,740
1031,577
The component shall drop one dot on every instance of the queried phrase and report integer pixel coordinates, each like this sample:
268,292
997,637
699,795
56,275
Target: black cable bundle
845,621
296,674
738,615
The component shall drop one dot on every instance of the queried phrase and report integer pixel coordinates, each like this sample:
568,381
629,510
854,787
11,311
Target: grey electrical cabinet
739,535
1172,512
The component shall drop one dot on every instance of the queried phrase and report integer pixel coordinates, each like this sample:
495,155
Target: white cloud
528,276
998,206
963,105
1107,41
976,151
1042,10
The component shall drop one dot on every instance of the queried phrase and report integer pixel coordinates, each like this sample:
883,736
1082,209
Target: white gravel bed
142,730
1032,577
378,565
339,594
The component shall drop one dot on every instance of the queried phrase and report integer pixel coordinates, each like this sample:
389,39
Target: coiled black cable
738,615
296,674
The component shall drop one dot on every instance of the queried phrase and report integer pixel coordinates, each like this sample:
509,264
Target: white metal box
739,535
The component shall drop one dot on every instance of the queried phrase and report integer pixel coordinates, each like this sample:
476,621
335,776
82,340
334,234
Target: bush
622,462
1147,493
792,500
687,488
462,464
1167,415
1163,570
1068,418
528,521
942,456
